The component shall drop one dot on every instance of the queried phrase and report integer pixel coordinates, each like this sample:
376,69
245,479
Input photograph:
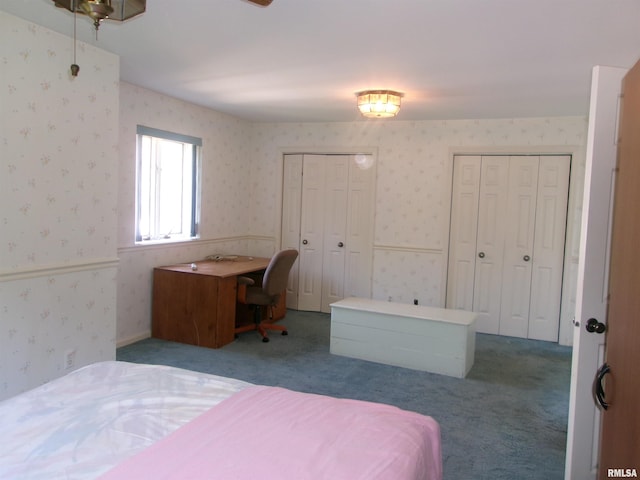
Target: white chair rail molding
431,339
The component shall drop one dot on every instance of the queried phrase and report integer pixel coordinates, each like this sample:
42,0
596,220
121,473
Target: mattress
118,420
81,425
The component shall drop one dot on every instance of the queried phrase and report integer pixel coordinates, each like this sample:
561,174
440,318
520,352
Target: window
167,186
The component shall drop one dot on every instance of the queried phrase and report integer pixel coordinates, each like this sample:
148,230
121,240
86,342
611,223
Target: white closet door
490,243
464,229
358,244
518,249
335,229
312,233
548,254
507,248
334,201
291,210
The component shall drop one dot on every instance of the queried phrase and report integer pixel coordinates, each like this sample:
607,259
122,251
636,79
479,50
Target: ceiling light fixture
379,103
98,10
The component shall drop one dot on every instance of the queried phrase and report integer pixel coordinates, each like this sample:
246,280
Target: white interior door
507,242
548,247
464,230
335,229
358,246
487,285
291,210
583,431
333,197
518,245
312,233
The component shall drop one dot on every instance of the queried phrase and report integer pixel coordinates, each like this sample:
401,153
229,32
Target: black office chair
267,294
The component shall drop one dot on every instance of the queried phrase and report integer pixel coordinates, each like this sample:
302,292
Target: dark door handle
481,254
598,389
304,242
594,325
340,244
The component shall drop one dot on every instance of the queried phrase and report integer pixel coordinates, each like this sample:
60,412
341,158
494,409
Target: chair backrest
277,273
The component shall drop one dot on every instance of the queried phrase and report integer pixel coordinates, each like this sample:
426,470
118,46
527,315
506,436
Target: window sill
164,241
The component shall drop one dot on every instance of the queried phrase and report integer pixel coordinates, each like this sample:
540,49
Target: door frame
572,235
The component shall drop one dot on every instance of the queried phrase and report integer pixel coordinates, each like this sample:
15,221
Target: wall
412,195
67,197
227,197
58,199
414,188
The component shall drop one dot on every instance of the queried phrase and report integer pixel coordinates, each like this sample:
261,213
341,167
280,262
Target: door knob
594,325
304,242
481,254
340,244
526,258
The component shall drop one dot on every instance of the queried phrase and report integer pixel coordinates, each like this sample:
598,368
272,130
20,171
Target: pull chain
75,68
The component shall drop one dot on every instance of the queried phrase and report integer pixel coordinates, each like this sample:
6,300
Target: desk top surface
221,268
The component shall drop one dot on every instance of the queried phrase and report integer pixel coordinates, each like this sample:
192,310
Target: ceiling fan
120,10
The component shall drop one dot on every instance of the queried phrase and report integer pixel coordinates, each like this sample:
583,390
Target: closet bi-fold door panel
464,230
518,245
487,285
548,253
335,226
506,248
360,215
312,233
333,197
291,208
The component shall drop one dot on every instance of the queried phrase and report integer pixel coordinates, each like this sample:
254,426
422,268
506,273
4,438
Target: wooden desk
198,307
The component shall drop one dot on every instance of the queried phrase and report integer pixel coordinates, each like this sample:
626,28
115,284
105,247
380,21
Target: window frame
196,165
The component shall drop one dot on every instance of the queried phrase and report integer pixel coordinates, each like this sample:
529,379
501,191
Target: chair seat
257,296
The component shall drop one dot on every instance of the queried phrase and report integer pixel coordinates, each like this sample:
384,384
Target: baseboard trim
135,338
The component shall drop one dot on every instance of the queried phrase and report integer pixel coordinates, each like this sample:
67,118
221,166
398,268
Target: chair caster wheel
284,332
265,339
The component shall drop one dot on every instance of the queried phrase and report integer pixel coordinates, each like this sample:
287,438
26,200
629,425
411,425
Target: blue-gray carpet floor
506,420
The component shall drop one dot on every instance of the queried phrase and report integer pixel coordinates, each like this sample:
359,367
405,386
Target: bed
119,420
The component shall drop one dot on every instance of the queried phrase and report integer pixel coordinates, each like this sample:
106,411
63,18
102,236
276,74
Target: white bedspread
139,404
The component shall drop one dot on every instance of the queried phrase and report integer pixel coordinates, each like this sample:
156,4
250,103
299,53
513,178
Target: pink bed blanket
273,433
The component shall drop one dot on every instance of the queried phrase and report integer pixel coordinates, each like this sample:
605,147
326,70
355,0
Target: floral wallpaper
58,191
46,317
414,175
243,179
226,160
226,203
69,268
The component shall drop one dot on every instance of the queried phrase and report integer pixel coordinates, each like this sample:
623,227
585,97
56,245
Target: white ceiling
303,60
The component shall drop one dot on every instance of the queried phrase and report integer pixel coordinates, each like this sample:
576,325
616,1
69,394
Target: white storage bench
437,340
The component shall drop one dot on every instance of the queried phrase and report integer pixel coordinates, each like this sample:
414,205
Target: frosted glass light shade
379,103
